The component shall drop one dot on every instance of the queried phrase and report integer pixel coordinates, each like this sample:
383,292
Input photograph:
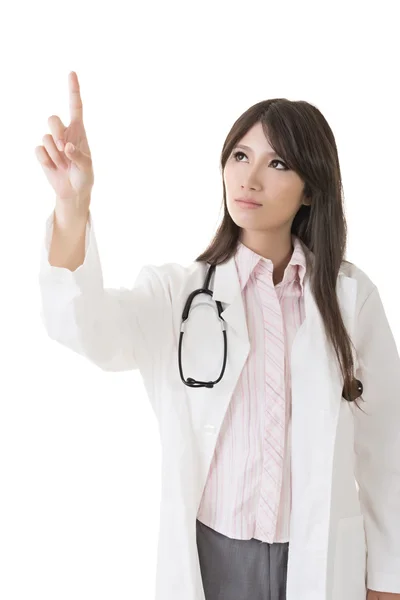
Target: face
258,173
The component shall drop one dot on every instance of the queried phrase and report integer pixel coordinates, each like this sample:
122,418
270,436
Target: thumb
77,156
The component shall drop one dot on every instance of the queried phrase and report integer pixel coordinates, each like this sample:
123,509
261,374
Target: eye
235,154
285,168
282,163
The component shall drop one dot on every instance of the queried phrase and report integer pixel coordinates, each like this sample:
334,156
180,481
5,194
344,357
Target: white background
161,84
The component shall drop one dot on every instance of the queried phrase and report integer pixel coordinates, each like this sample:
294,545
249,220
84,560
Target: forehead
255,141
265,149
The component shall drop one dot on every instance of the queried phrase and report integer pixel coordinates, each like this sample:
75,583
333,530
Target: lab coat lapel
317,403
227,290
209,405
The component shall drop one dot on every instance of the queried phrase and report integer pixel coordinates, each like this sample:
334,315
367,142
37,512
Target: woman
263,443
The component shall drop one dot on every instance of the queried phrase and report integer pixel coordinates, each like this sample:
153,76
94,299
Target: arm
377,443
67,247
116,329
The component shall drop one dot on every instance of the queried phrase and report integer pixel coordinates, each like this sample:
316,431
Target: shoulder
365,285
176,271
173,276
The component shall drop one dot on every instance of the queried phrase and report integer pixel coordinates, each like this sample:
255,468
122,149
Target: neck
277,248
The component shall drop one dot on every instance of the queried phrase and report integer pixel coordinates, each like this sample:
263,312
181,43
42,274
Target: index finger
75,100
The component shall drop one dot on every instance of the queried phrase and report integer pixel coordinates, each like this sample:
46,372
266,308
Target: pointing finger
75,100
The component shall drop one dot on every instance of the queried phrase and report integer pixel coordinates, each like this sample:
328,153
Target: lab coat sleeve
116,329
377,443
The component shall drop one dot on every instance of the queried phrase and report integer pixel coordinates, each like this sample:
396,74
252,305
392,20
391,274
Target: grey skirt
241,569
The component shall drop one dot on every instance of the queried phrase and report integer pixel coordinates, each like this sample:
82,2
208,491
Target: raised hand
69,171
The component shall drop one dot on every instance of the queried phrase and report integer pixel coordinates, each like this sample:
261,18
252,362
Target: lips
247,201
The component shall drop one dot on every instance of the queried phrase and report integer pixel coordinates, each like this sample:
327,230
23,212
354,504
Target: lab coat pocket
203,341
350,569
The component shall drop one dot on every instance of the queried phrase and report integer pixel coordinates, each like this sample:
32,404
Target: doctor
280,479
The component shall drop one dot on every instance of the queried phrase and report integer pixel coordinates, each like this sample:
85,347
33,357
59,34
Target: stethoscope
190,382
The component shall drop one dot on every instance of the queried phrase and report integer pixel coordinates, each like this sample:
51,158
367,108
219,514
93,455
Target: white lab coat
341,541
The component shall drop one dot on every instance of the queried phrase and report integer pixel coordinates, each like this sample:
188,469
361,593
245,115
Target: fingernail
71,147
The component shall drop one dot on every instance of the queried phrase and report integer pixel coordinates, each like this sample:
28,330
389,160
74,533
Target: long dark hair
299,133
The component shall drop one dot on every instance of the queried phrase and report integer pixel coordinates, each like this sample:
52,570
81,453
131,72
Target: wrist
71,215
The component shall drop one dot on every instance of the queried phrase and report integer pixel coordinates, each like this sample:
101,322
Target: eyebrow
249,149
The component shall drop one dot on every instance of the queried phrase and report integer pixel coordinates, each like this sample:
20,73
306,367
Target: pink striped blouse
232,501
